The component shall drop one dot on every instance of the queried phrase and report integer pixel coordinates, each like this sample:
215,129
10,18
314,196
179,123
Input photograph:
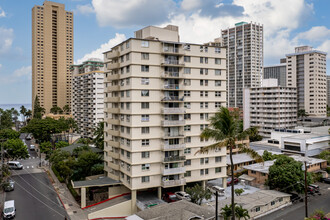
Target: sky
101,24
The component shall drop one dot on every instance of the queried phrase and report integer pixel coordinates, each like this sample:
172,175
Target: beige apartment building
52,54
159,96
306,70
270,107
88,95
245,56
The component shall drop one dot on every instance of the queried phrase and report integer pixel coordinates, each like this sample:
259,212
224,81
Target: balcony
172,99
172,50
167,146
170,183
168,135
173,123
113,155
112,99
112,66
112,54
113,143
171,86
114,132
168,74
174,159
113,77
172,63
113,121
112,110
171,171
173,111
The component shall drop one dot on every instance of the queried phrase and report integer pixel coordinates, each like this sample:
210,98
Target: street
34,195
297,211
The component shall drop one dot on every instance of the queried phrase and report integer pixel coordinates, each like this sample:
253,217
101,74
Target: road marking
27,167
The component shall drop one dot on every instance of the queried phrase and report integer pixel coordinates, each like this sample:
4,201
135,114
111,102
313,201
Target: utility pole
216,205
306,207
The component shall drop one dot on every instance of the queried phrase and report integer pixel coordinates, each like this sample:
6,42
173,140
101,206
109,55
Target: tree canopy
15,149
198,193
8,134
38,111
99,135
325,155
6,118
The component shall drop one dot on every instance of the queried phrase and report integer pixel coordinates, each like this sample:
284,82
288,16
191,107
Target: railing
173,110
168,135
174,122
174,170
174,158
171,74
174,62
171,50
173,98
167,146
169,183
171,86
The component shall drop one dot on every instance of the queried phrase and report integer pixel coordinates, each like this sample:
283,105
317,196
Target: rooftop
244,157
104,181
71,148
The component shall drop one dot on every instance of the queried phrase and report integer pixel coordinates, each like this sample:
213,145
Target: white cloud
315,34
2,13
325,46
19,75
84,9
125,13
6,39
23,71
98,53
188,5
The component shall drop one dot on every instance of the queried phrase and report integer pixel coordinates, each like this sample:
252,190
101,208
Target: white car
214,189
32,147
183,195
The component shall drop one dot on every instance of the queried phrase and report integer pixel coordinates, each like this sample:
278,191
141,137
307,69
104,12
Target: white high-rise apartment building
245,57
328,90
160,94
270,107
88,95
306,70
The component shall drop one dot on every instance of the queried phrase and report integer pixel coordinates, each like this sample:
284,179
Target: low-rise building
270,107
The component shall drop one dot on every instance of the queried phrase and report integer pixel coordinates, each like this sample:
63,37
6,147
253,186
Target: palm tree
99,135
302,113
226,212
72,125
225,130
66,109
55,109
241,213
23,111
28,114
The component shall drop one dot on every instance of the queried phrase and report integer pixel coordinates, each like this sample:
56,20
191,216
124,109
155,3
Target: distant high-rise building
306,70
328,90
52,54
270,106
88,95
245,56
276,72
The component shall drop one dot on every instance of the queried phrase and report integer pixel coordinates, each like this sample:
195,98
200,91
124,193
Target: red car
170,197
229,181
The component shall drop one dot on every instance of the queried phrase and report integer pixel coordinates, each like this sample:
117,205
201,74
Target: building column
133,201
224,182
182,188
204,184
83,197
159,192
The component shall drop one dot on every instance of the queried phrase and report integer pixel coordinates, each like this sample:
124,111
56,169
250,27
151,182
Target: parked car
229,181
326,180
316,187
170,197
32,147
15,165
9,186
9,209
183,195
295,197
310,190
28,137
214,189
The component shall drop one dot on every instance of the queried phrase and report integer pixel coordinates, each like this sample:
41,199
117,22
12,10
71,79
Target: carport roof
104,181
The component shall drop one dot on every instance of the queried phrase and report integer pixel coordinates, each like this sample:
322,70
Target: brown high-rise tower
52,54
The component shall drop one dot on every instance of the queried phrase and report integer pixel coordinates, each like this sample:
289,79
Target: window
187,150
144,43
128,154
145,130
187,173
127,57
186,59
187,163
206,82
145,154
128,105
128,179
217,61
187,116
187,82
186,93
201,71
206,59
253,172
217,50
187,105
145,179
280,200
144,56
144,68
201,93
206,105
201,59
257,209
187,127
201,127
127,71
202,161
217,93
218,170
201,116
217,82
144,92
217,159
217,104
145,166
206,93
187,139
145,142
144,105
187,70
206,171
144,118
206,160
217,72
144,81
127,44
202,172
201,105
272,203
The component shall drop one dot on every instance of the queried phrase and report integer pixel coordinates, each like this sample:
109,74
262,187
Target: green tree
15,149
198,193
226,212
86,141
77,151
99,135
28,114
6,119
239,211
61,144
8,134
267,156
238,192
86,160
224,129
325,155
66,109
72,126
38,111
56,110
253,133
302,114
46,148
287,175
23,111
58,155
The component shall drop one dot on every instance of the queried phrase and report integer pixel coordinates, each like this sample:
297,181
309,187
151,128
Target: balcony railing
168,135
174,158
170,50
173,111
168,146
170,74
174,170
173,98
174,122
171,86
170,183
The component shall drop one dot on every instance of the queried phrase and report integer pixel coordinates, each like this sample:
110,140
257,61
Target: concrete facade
159,95
52,55
306,70
328,90
245,56
88,95
276,72
270,107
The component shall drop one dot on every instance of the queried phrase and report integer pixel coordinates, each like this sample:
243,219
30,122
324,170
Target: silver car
183,195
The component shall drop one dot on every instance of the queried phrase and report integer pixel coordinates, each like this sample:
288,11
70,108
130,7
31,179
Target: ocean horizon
15,106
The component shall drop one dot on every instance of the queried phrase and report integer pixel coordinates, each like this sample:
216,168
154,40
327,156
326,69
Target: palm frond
209,133
219,145
252,153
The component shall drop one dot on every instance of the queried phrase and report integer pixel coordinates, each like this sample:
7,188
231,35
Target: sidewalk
71,206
